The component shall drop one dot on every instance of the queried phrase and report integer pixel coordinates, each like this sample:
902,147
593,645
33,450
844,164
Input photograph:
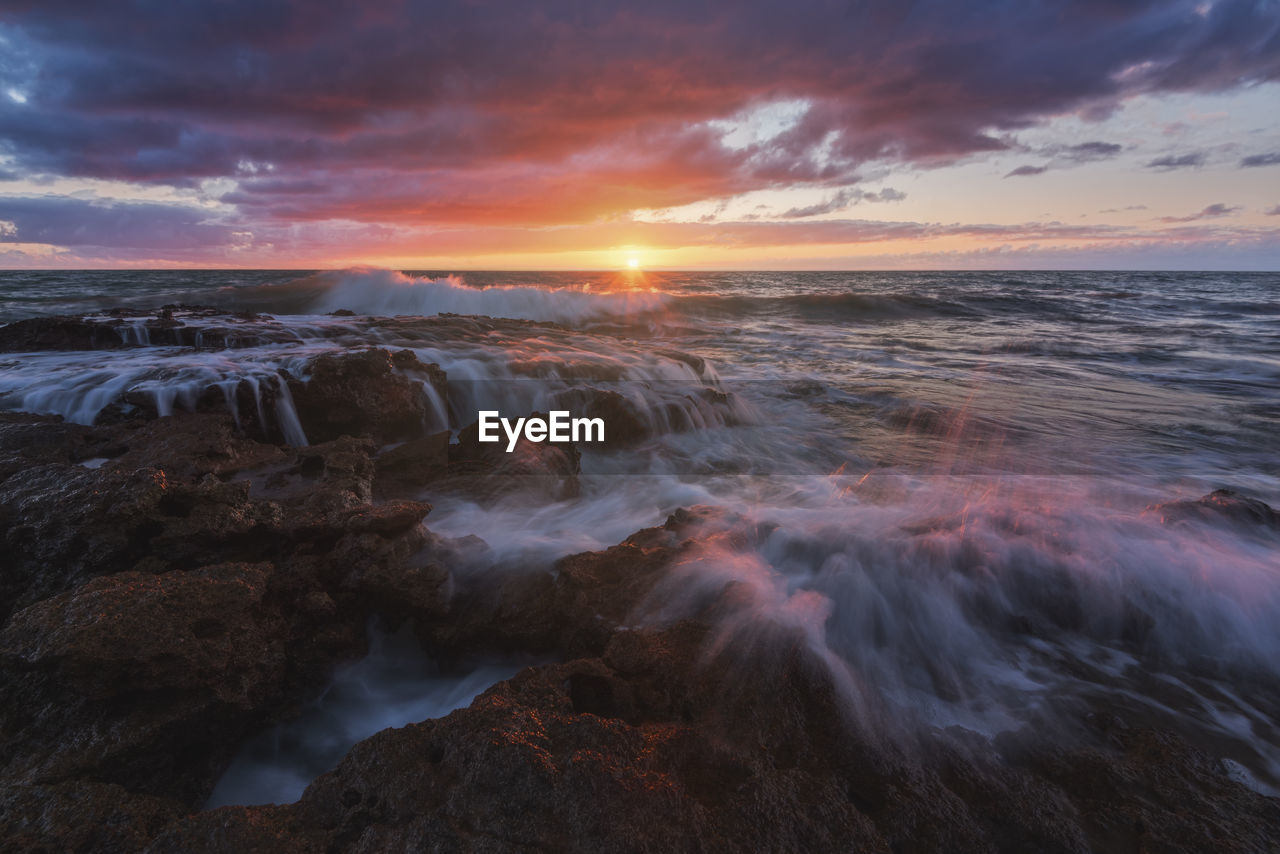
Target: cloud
1192,160
1027,171
1211,212
844,199
1090,151
435,101
68,221
1274,211
395,121
1069,155
1271,158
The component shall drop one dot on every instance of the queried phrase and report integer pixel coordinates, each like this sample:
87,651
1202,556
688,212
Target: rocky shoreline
174,585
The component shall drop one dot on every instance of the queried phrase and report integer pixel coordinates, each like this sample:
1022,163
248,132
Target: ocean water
947,483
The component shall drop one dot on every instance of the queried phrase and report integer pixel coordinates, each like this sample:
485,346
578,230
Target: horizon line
639,272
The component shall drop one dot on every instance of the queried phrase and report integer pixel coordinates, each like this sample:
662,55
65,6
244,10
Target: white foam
389,293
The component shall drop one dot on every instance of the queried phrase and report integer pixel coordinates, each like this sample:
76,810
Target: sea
961,487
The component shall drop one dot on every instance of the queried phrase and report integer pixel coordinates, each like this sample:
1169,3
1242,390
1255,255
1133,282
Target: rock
365,393
193,326
572,609
486,470
398,591
62,524
562,757
624,421
386,519
142,679
199,586
190,446
134,631
1221,505
60,333
407,468
32,440
669,741
194,587
80,816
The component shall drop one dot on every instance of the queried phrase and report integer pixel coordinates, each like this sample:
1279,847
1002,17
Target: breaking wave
387,293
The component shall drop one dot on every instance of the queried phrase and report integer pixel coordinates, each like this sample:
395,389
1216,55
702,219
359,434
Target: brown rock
364,393
407,468
80,816
624,421
59,333
1221,505
387,519
140,679
486,470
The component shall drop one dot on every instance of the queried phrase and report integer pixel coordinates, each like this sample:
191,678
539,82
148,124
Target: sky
866,134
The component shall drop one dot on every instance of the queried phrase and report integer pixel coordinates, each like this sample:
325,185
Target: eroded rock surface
191,586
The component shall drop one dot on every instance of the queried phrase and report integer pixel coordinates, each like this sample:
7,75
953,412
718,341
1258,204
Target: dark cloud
1180,161
68,221
1090,151
1274,211
393,111
1023,171
844,199
1070,155
1211,212
1271,158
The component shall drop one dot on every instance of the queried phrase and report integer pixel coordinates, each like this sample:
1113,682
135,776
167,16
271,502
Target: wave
379,292
845,306
388,293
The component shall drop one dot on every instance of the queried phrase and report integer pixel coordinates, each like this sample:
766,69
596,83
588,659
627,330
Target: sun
633,263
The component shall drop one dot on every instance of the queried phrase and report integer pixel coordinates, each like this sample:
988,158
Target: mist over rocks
307,380
188,572
210,582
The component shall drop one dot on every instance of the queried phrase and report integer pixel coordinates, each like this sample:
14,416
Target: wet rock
365,393
407,468
386,519
59,333
670,739
572,609
65,523
624,420
1221,505
80,816
199,586
191,446
399,590
62,523
31,440
486,470
1145,789
139,679
563,758
138,631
